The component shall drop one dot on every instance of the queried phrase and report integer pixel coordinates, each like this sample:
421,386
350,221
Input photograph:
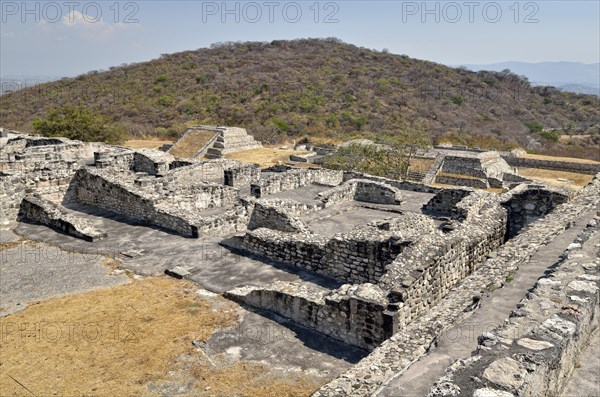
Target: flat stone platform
149,251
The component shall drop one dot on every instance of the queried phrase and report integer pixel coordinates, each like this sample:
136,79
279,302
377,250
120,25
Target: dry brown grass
421,165
572,138
109,342
249,379
551,177
552,158
265,156
145,143
192,142
448,174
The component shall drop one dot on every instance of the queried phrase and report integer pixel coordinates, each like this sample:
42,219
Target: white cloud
91,26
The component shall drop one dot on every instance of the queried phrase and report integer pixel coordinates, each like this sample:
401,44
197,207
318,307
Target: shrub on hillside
80,123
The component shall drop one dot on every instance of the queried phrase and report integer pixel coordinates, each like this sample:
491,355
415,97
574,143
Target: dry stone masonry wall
537,349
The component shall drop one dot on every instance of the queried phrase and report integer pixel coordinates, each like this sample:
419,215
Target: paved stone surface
152,251
32,272
8,236
262,336
460,340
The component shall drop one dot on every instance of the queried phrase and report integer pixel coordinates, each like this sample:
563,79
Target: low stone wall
14,187
535,352
398,184
406,346
153,162
463,165
198,196
102,192
353,314
50,214
294,179
581,168
116,158
478,183
527,203
362,190
229,172
445,201
232,220
358,256
426,271
267,215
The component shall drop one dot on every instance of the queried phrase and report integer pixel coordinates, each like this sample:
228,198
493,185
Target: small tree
391,159
80,123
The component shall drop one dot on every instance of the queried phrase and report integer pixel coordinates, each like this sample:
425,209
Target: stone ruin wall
396,354
294,179
538,347
353,314
425,272
459,165
398,184
418,272
362,190
38,209
350,257
567,166
527,203
477,183
215,171
105,192
270,215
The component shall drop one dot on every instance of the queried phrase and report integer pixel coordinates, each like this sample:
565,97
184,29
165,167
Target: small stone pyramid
231,139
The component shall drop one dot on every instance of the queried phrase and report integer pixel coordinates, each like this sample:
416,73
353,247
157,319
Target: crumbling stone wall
424,273
103,191
568,166
410,343
398,184
197,196
294,179
353,314
39,210
266,215
362,190
239,174
357,256
445,201
535,351
527,203
477,183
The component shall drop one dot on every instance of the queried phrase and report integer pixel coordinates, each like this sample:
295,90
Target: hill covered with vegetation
320,88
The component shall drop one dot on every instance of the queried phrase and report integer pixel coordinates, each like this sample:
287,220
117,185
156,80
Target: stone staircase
415,175
231,139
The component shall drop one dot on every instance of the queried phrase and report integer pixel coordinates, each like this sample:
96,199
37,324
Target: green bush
534,126
550,135
80,123
457,99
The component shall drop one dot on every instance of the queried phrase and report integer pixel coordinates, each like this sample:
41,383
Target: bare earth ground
551,177
568,159
145,143
79,333
143,338
421,165
265,156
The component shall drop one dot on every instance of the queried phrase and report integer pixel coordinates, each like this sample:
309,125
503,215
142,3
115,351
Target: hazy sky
65,38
